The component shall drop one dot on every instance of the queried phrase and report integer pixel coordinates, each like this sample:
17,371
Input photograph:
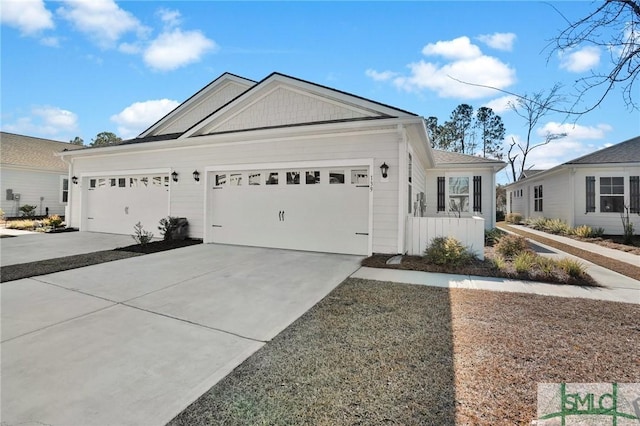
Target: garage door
319,209
114,204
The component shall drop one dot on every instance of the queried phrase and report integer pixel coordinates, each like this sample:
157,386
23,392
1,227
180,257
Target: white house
30,173
280,163
591,190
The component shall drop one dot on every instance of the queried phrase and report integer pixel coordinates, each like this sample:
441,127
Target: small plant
556,226
28,210
511,245
546,265
141,236
53,221
572,267
21,224
514,218
583,231
448,251
536,223
597,232
169,227
1,214
492,236
627,226
499,263
524,261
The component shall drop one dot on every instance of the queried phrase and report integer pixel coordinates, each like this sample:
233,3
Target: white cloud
380,76
102,20
466,63
482,70
575,131
47,121
50,41
459,48
29,16
501,104
580,60
138,116
177,48
171,18
500,41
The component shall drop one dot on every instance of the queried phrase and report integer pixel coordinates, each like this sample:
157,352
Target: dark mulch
386,353
481,268
618,266
50,266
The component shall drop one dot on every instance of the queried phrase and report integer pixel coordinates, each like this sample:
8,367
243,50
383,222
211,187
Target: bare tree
531,109
613,26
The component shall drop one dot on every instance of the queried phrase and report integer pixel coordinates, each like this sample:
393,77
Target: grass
386,353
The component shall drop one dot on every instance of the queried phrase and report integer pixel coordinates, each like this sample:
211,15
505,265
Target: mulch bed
50,266
385,353
620,267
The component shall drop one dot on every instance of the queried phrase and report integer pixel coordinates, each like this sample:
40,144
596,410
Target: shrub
513,218
141,236
511,245
448,251
499,216
1,214
536,223
597,232
583,231
28,210
556,226
524,261
492,236
499,263
170,227
21,224
53,221
572,267
546,264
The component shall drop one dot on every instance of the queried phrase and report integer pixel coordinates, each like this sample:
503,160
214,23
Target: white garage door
115,204
314,209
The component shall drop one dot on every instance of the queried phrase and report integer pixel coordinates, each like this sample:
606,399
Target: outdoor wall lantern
174,176
384,169
74,179
196,175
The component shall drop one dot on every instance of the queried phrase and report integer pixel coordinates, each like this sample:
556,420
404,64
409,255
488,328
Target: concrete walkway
135,341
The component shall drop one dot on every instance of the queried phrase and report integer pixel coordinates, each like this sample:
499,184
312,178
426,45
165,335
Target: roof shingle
448,157
624,152
38,153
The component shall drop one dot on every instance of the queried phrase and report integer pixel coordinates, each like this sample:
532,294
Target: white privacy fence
421,230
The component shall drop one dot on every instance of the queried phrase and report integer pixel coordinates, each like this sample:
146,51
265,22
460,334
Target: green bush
536,223
572,267
28,210
53,221
448,251
524,261
499,216
141,236
492,236
597,232
557,226
546,264
513,218
583,231
23,224
511,245
169,227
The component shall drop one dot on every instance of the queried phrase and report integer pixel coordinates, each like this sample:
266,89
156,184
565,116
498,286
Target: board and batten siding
187,196
32,185
488,204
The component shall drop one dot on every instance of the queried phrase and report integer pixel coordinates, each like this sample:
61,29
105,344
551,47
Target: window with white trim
459,194
64,190
537,198
611,194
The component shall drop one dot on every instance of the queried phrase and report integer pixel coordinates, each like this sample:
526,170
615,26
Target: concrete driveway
133,342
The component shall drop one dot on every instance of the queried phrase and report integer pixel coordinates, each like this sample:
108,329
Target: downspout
402,193
571,196
67,209
494,208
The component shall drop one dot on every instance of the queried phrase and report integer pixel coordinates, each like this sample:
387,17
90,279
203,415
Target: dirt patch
620,267
50,266
386,353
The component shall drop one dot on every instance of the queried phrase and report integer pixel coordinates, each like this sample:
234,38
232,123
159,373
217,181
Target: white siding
187,196
32,185
488,203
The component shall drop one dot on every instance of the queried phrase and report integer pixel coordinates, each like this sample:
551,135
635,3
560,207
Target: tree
614,25
77,141
460,122
442,136
491,131
105,139
532,109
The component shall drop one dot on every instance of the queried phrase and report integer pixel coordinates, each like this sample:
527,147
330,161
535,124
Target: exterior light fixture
196,175
174,176
384,169
74,180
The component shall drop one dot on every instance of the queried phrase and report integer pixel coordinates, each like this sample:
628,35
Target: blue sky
80,67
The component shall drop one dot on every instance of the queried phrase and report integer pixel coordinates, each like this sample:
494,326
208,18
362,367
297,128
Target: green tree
460,123
442,136
105,139
77,141
491,130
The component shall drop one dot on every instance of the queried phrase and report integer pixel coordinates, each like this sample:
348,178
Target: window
221,180
64,194
254,178
312,177
459,194
92,183
235,179
611,194
122,182
273,178
293,178
634,194
537,198
359,177
336,176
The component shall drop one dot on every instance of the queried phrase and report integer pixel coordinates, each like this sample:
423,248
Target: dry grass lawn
386,353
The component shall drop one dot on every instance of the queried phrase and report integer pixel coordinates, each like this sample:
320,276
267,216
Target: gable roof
448,158
280,100
530,173
624,152
32,152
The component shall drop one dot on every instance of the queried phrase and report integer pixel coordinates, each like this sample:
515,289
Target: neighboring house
280,163
591,190
31,173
